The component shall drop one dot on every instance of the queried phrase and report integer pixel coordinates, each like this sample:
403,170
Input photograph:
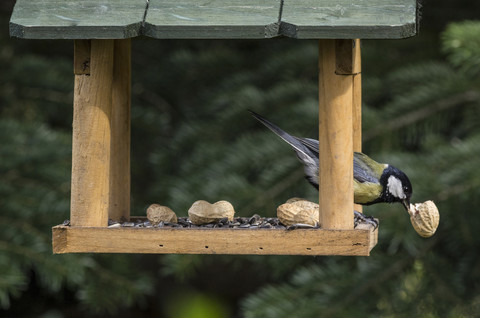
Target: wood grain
350,19
81,57
72,19
335,142
357,118
91,140
214,19
119,207
347,57
355,68
213,241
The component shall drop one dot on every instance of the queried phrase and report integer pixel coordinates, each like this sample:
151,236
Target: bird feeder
102,32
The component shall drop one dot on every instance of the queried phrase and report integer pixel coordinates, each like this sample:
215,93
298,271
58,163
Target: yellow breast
366,192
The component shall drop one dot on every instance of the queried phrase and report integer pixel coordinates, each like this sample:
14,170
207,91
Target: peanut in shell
424,218
298,211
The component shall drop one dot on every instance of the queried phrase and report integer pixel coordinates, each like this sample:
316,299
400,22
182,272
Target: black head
396,186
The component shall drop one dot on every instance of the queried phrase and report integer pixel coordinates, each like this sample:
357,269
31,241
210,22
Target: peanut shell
203,212
157,213
424,218
298,212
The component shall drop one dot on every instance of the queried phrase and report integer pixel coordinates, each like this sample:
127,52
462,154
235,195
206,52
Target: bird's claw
361,218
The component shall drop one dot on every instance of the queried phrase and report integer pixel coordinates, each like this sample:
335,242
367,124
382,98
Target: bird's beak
406,204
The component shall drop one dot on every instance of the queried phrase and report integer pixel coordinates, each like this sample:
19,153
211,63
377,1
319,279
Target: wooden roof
214,19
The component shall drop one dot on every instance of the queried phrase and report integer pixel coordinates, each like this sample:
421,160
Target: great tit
373,182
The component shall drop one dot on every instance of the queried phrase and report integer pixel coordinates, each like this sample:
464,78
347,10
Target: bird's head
396,186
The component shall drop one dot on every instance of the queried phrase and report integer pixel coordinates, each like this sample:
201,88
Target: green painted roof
214,19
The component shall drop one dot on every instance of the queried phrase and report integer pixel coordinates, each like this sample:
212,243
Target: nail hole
309,249
161,245
206,246
260,248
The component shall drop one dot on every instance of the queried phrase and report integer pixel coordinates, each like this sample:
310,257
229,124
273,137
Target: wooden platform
214,19
357,242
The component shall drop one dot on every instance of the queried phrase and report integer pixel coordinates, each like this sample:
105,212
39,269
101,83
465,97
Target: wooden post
357,96
357,107
349,56
120,142
91,142
348,62
339,60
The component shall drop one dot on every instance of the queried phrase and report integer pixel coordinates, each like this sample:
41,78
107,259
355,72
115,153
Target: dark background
192,139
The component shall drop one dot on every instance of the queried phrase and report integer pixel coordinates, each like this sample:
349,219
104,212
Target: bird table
100,185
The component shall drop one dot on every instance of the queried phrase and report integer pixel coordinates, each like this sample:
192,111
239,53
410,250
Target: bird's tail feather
291,140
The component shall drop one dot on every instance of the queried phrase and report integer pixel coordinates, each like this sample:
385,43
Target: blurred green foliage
460,43
192,138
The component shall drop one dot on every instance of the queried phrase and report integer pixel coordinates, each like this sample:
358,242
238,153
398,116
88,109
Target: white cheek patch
394,186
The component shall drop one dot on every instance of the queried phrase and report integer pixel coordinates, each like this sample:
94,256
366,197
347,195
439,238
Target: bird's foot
361,218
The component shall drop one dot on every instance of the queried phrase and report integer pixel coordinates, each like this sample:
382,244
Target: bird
373,182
